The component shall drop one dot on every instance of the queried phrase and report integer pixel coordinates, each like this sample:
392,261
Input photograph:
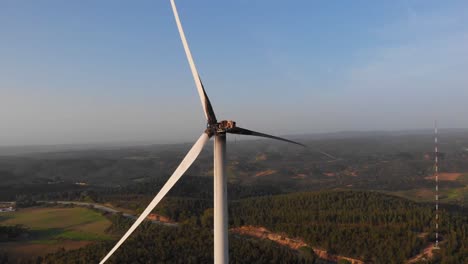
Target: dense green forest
366,225
182,244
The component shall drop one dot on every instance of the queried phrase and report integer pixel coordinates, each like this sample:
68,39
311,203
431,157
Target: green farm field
446,195
53,228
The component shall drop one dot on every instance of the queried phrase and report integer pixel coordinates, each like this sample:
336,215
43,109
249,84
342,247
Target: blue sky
112,71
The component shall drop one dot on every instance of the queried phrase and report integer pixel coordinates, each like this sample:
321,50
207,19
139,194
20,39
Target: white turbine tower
219,131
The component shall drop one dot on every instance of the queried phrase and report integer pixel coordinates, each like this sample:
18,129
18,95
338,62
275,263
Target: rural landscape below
371,199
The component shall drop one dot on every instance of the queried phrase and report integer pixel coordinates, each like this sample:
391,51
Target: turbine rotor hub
220,127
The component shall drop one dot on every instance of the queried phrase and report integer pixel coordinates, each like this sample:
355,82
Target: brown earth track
294,243
265,173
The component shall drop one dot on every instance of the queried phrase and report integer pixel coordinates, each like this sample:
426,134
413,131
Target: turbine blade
207,108
243,131
184,165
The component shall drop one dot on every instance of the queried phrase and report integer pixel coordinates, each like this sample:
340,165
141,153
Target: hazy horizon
319,136
94,72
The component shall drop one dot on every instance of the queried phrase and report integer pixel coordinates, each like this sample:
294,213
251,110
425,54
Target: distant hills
14,150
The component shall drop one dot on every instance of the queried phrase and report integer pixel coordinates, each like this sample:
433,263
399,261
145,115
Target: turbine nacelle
220,128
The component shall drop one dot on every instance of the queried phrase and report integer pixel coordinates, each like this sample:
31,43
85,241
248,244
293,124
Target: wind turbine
215,129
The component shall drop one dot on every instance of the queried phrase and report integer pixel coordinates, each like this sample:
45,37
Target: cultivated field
54,228
446,195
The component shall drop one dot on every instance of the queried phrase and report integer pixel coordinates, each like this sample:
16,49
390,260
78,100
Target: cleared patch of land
446,195
265,173
446,176
425,255
53,228
294,243
299,176
419,195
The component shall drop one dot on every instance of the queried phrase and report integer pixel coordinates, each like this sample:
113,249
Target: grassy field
446,195
54,228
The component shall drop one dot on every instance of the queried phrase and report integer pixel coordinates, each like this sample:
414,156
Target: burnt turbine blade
207,109
210,112
243,131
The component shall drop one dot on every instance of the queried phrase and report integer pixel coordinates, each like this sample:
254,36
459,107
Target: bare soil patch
445,176
265,173
299,176
426,254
